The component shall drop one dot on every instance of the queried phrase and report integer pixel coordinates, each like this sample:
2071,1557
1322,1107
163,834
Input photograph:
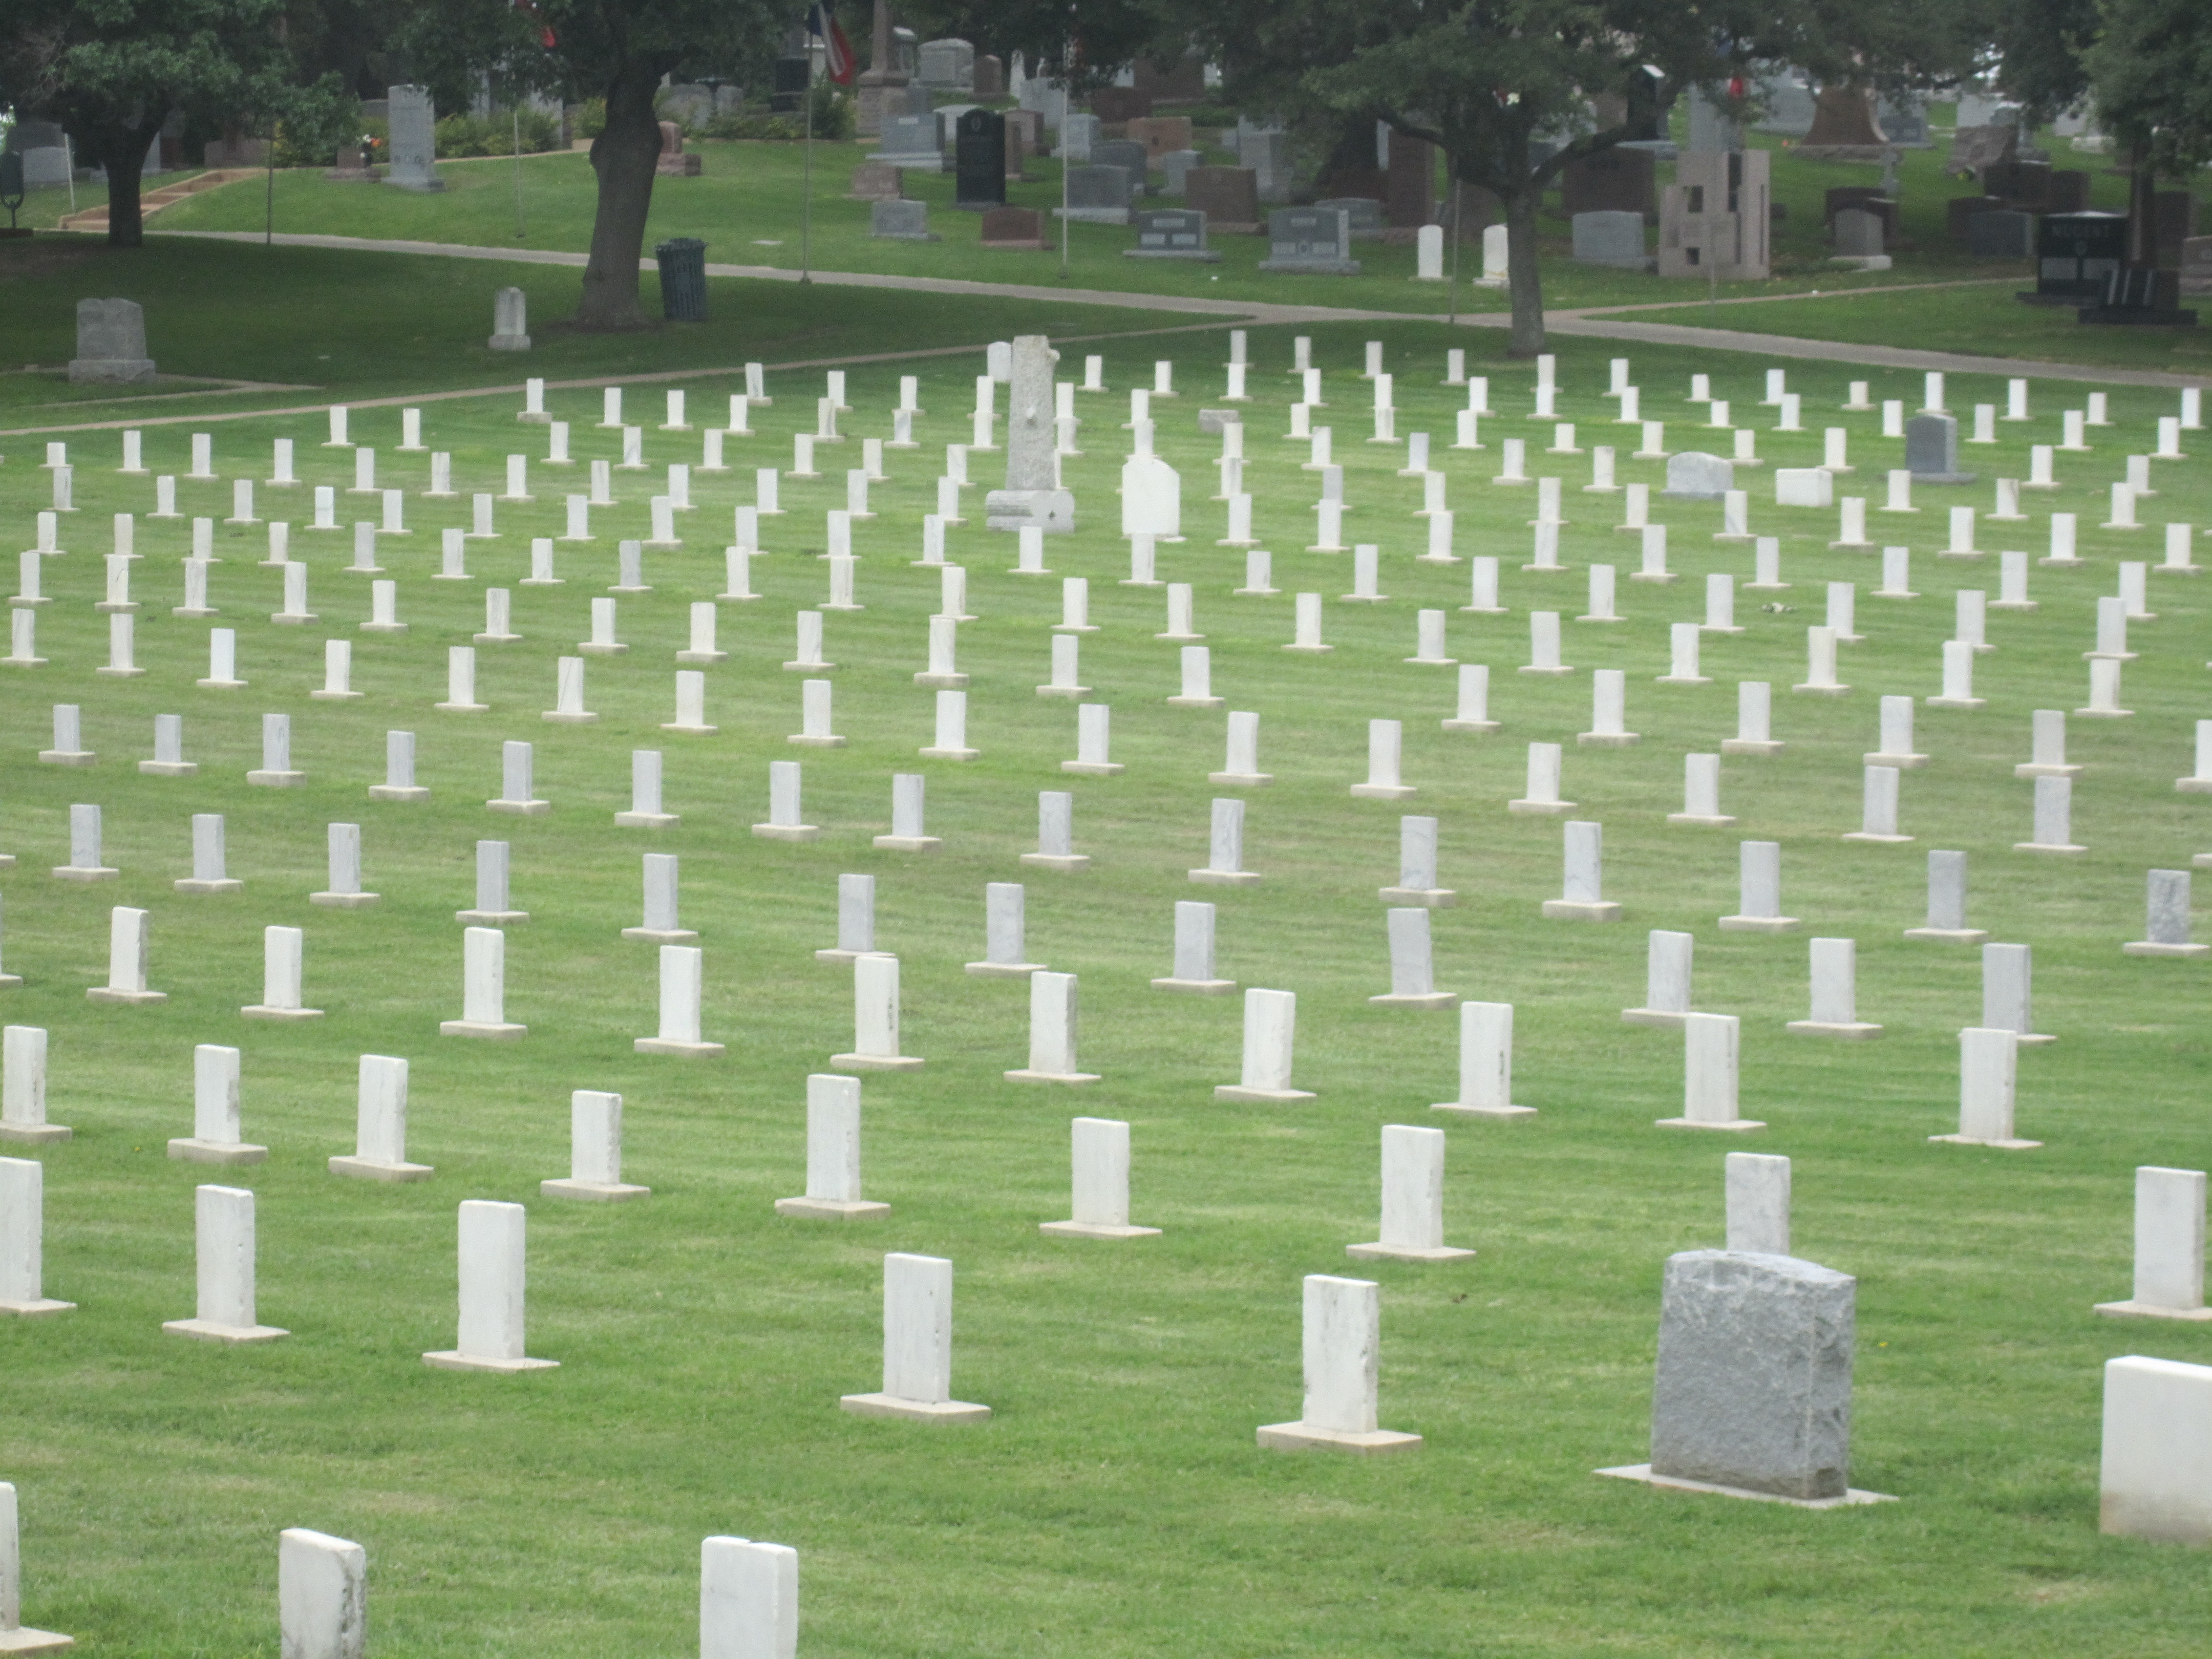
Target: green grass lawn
1116,1504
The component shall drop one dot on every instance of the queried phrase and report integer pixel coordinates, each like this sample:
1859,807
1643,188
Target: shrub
494,134
589,119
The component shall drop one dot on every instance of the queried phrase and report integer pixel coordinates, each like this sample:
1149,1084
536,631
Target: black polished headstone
979,160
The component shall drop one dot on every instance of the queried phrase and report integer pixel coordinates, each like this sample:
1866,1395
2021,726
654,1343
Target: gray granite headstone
900,222
1710,126
1172,233
1077,133
413,141
1694,476
1931,450
1753,1386
1174,168
1126,153
1789,104
2001,234
2168,896
1098,194
1309,239
111,344
1611,239
2196,267
1266,151
949,64
1858,235
910,141
1904,119
1753,1383
1363,214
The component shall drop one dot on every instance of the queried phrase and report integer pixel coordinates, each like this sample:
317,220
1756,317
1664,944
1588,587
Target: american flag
837,50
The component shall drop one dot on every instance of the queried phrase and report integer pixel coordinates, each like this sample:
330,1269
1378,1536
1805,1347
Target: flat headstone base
2143,947
1665,1017
1733,1123
364,1169
25,1640
876,1062
108,993
661,935
1827,1028
448,1360
918,1410
788,831
83,872
1237,1092
1305,1436
1087,769
910,843
1004,969
2000,1145
1470,726
492,918
2110,1310
33,1135
1224,877
38,1309
1196,702
397,792
217,1151
1954,703
206,1330
1465,1110
2186,785
1025,1075
503,1031
592,1192
1949,935
343,900
1434,898
1058,861
645,820
169,769
670,1046
831,1209
520,809
1528,808
1877,840
263,1010
1094,1229
1561,909
1204,987
1244,780
269,780
1701,820
1760,924
1380,1252
2046,846
1901,763
1381,791
1417,1000
1612,739
2035,770
1642,1472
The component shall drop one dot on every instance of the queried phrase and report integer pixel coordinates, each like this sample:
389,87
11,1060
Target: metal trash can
683,279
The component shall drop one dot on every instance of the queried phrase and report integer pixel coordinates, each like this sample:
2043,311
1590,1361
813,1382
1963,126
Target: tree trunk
124,156
1526,287
623,155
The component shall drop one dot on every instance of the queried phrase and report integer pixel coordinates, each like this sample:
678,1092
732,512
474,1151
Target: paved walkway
1596,322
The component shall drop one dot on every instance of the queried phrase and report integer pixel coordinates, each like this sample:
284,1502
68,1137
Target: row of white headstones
1709,1046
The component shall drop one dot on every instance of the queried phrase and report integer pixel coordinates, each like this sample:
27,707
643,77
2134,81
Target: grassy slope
361,326
746,204
1115,1505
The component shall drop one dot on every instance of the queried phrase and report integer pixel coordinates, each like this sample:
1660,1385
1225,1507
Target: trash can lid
679,245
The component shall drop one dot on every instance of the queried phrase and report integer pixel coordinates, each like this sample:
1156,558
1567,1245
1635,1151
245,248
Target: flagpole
806,208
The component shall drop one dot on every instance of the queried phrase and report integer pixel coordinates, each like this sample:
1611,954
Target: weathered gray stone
1098,194
1310,239
413,141
1030,497
1858,234
1611,239
1174,168
1694,476
900,222
949,65
1753,1384
1363,216
110,344
2001,234
910,141
1172,233
1931,450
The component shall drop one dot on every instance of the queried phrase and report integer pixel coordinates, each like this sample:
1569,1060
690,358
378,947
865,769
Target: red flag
546,38
837,50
